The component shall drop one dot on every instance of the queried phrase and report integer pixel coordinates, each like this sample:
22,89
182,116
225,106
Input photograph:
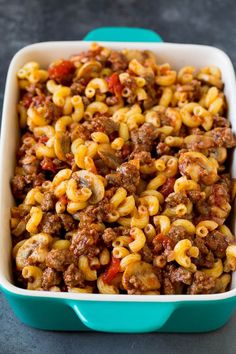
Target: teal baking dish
109,313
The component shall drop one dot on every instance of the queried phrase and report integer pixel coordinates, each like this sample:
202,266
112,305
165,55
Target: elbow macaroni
122,162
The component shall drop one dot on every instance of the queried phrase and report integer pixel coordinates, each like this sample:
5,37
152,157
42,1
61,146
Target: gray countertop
22,22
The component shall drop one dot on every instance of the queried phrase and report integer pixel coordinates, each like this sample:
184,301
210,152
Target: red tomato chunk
48,165
168,187
62,72
111,272
114,84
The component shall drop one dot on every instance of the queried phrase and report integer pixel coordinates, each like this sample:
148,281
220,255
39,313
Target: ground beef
152,98
79,131
220,122
84,242
53,112
78,87
162,149
39,99
95,213
19,186
223,137
174,199
125,151
84,57
146,254
37,179
127,176
87,216
60,164
86,101
199,143
180,275
195,196
202,284
59,259
140,277
68,222
122,230
51,224
144,157
226,181
25,145
48,202
118,61
50,278
112,100
205,257
143,137
193,131
168,288
20,213
104,124
22,184
109,235
178,233
205,176
191,90
26,99
174,280
217,243
219,196
31,168
73,276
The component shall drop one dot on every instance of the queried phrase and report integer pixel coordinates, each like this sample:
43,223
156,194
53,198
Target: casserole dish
110,313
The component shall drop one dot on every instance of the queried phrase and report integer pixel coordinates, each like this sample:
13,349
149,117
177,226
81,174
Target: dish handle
123,34
123,316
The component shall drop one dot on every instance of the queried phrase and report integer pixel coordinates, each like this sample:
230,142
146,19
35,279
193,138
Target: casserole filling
121,183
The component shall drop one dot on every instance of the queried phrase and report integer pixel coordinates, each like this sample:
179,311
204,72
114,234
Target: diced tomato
43,139
48,165
163,239
62,72
114,84
168,187
112,270
63,199
27,99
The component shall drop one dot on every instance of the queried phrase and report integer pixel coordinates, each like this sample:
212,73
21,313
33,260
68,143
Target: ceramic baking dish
110,313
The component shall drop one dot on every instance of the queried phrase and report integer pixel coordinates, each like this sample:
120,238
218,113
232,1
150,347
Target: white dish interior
178,55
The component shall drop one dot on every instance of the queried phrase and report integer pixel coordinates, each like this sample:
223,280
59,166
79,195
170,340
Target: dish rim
6,285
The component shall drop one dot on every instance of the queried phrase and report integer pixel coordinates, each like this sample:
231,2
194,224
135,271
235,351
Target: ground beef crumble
202,284
50,278
73,276
127,176
143,137
59,259
85,241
